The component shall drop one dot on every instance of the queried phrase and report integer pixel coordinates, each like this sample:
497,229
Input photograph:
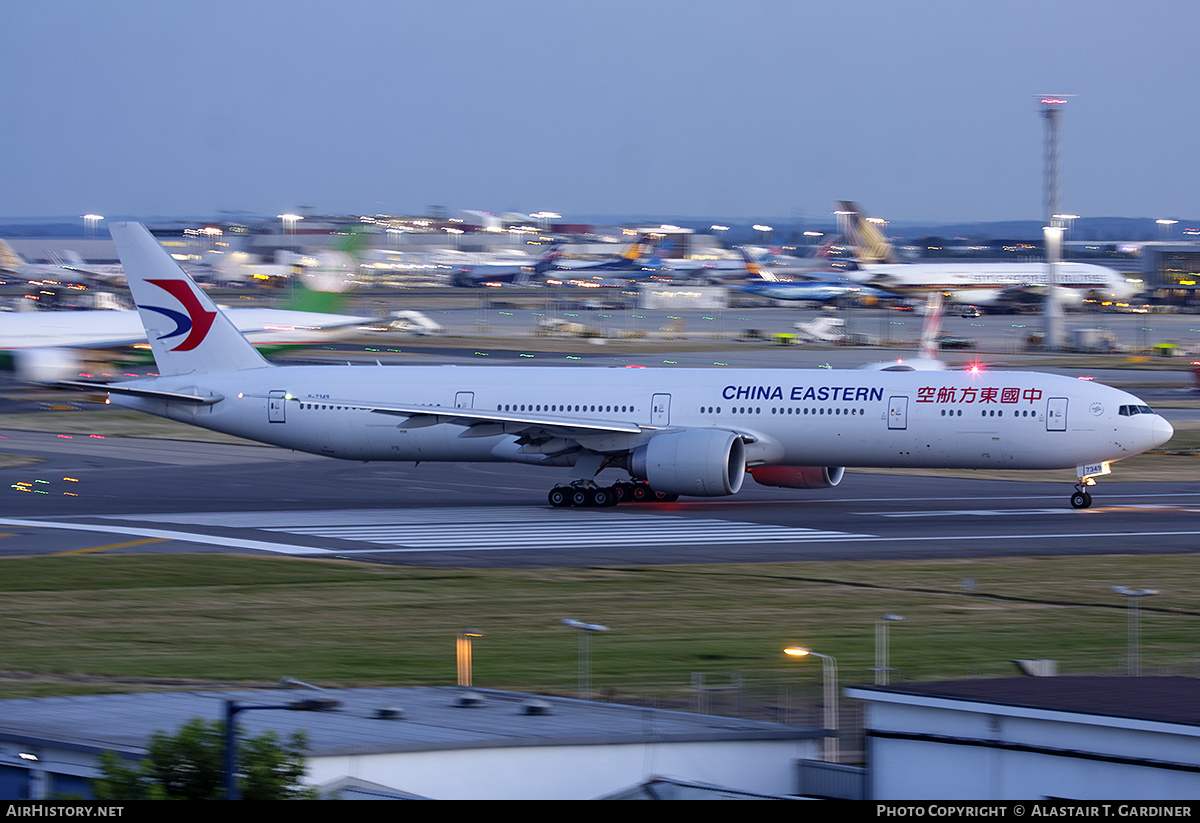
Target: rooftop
430,718
1173,700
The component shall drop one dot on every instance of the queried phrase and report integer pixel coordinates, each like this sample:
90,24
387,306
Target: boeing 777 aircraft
675,432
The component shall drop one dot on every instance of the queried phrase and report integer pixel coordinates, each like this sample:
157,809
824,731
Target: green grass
128,622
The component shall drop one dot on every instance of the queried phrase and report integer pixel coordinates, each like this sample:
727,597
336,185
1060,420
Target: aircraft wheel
640,493
1081,500
603,498
581,497
624,492
559,497
664,497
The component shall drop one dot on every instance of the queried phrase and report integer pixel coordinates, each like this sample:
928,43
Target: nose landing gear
1081,499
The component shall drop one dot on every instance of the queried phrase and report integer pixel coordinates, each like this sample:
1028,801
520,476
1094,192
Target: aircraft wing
599,434
71,329
499,422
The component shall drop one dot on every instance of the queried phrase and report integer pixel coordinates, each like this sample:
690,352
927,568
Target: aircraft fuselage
996,419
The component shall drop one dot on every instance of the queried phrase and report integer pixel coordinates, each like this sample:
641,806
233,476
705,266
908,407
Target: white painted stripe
284,548
972,512
187,537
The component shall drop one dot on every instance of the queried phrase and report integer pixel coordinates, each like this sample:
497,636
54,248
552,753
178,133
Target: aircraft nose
1163,431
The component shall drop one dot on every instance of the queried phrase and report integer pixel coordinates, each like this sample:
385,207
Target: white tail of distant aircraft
674,431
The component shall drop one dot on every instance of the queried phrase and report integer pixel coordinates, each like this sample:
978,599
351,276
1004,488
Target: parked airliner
971,281
675,432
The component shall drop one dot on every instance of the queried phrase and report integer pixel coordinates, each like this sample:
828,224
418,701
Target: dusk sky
751,109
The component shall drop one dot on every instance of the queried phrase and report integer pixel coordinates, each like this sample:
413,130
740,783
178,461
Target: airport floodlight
584,656
90,221
882,667
463,654
1133,630
829,679
761,227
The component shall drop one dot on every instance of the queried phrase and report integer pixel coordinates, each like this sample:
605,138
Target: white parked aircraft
68,268
676,432
971,282
50,345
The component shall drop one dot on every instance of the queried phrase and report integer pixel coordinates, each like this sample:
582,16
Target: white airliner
970,282
50,345
68,268
676,432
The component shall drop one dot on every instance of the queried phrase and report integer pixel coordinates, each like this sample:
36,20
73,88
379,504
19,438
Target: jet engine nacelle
798,477
703,463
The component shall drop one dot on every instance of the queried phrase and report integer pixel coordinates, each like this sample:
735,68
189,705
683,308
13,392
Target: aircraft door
660,410
276,406
897,412
464,400
1056,414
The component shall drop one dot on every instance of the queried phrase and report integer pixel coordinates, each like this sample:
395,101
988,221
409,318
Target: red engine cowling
797,477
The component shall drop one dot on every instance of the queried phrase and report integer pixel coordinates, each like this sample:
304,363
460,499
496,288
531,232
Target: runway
92,495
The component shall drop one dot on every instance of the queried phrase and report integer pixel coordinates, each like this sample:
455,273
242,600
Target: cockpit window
1129,411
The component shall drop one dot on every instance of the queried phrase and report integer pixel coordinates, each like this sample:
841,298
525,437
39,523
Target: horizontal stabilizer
133,391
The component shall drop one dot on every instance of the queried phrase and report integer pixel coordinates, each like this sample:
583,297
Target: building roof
431,718
1160,699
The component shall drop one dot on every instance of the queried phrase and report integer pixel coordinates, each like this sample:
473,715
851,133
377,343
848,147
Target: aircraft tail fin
548,260
316,300
634,251
869,243
187,332
753,270
10,260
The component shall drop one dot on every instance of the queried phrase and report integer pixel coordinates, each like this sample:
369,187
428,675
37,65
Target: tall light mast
1052,311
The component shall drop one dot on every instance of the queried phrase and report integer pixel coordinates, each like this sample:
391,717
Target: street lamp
882,669
233,709
1133,630
584,658
829,678
463,646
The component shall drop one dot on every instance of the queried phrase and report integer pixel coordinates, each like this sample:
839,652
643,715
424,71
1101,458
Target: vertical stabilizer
9,259
869,243
187,332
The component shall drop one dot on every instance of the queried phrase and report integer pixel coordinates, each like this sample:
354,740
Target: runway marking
187,537
1141,507
813,537
501,528
112,546
971,512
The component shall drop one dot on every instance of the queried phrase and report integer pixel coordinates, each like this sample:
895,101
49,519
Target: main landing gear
581,495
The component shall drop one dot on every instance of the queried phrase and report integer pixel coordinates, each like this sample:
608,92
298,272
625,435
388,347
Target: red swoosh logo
201,320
